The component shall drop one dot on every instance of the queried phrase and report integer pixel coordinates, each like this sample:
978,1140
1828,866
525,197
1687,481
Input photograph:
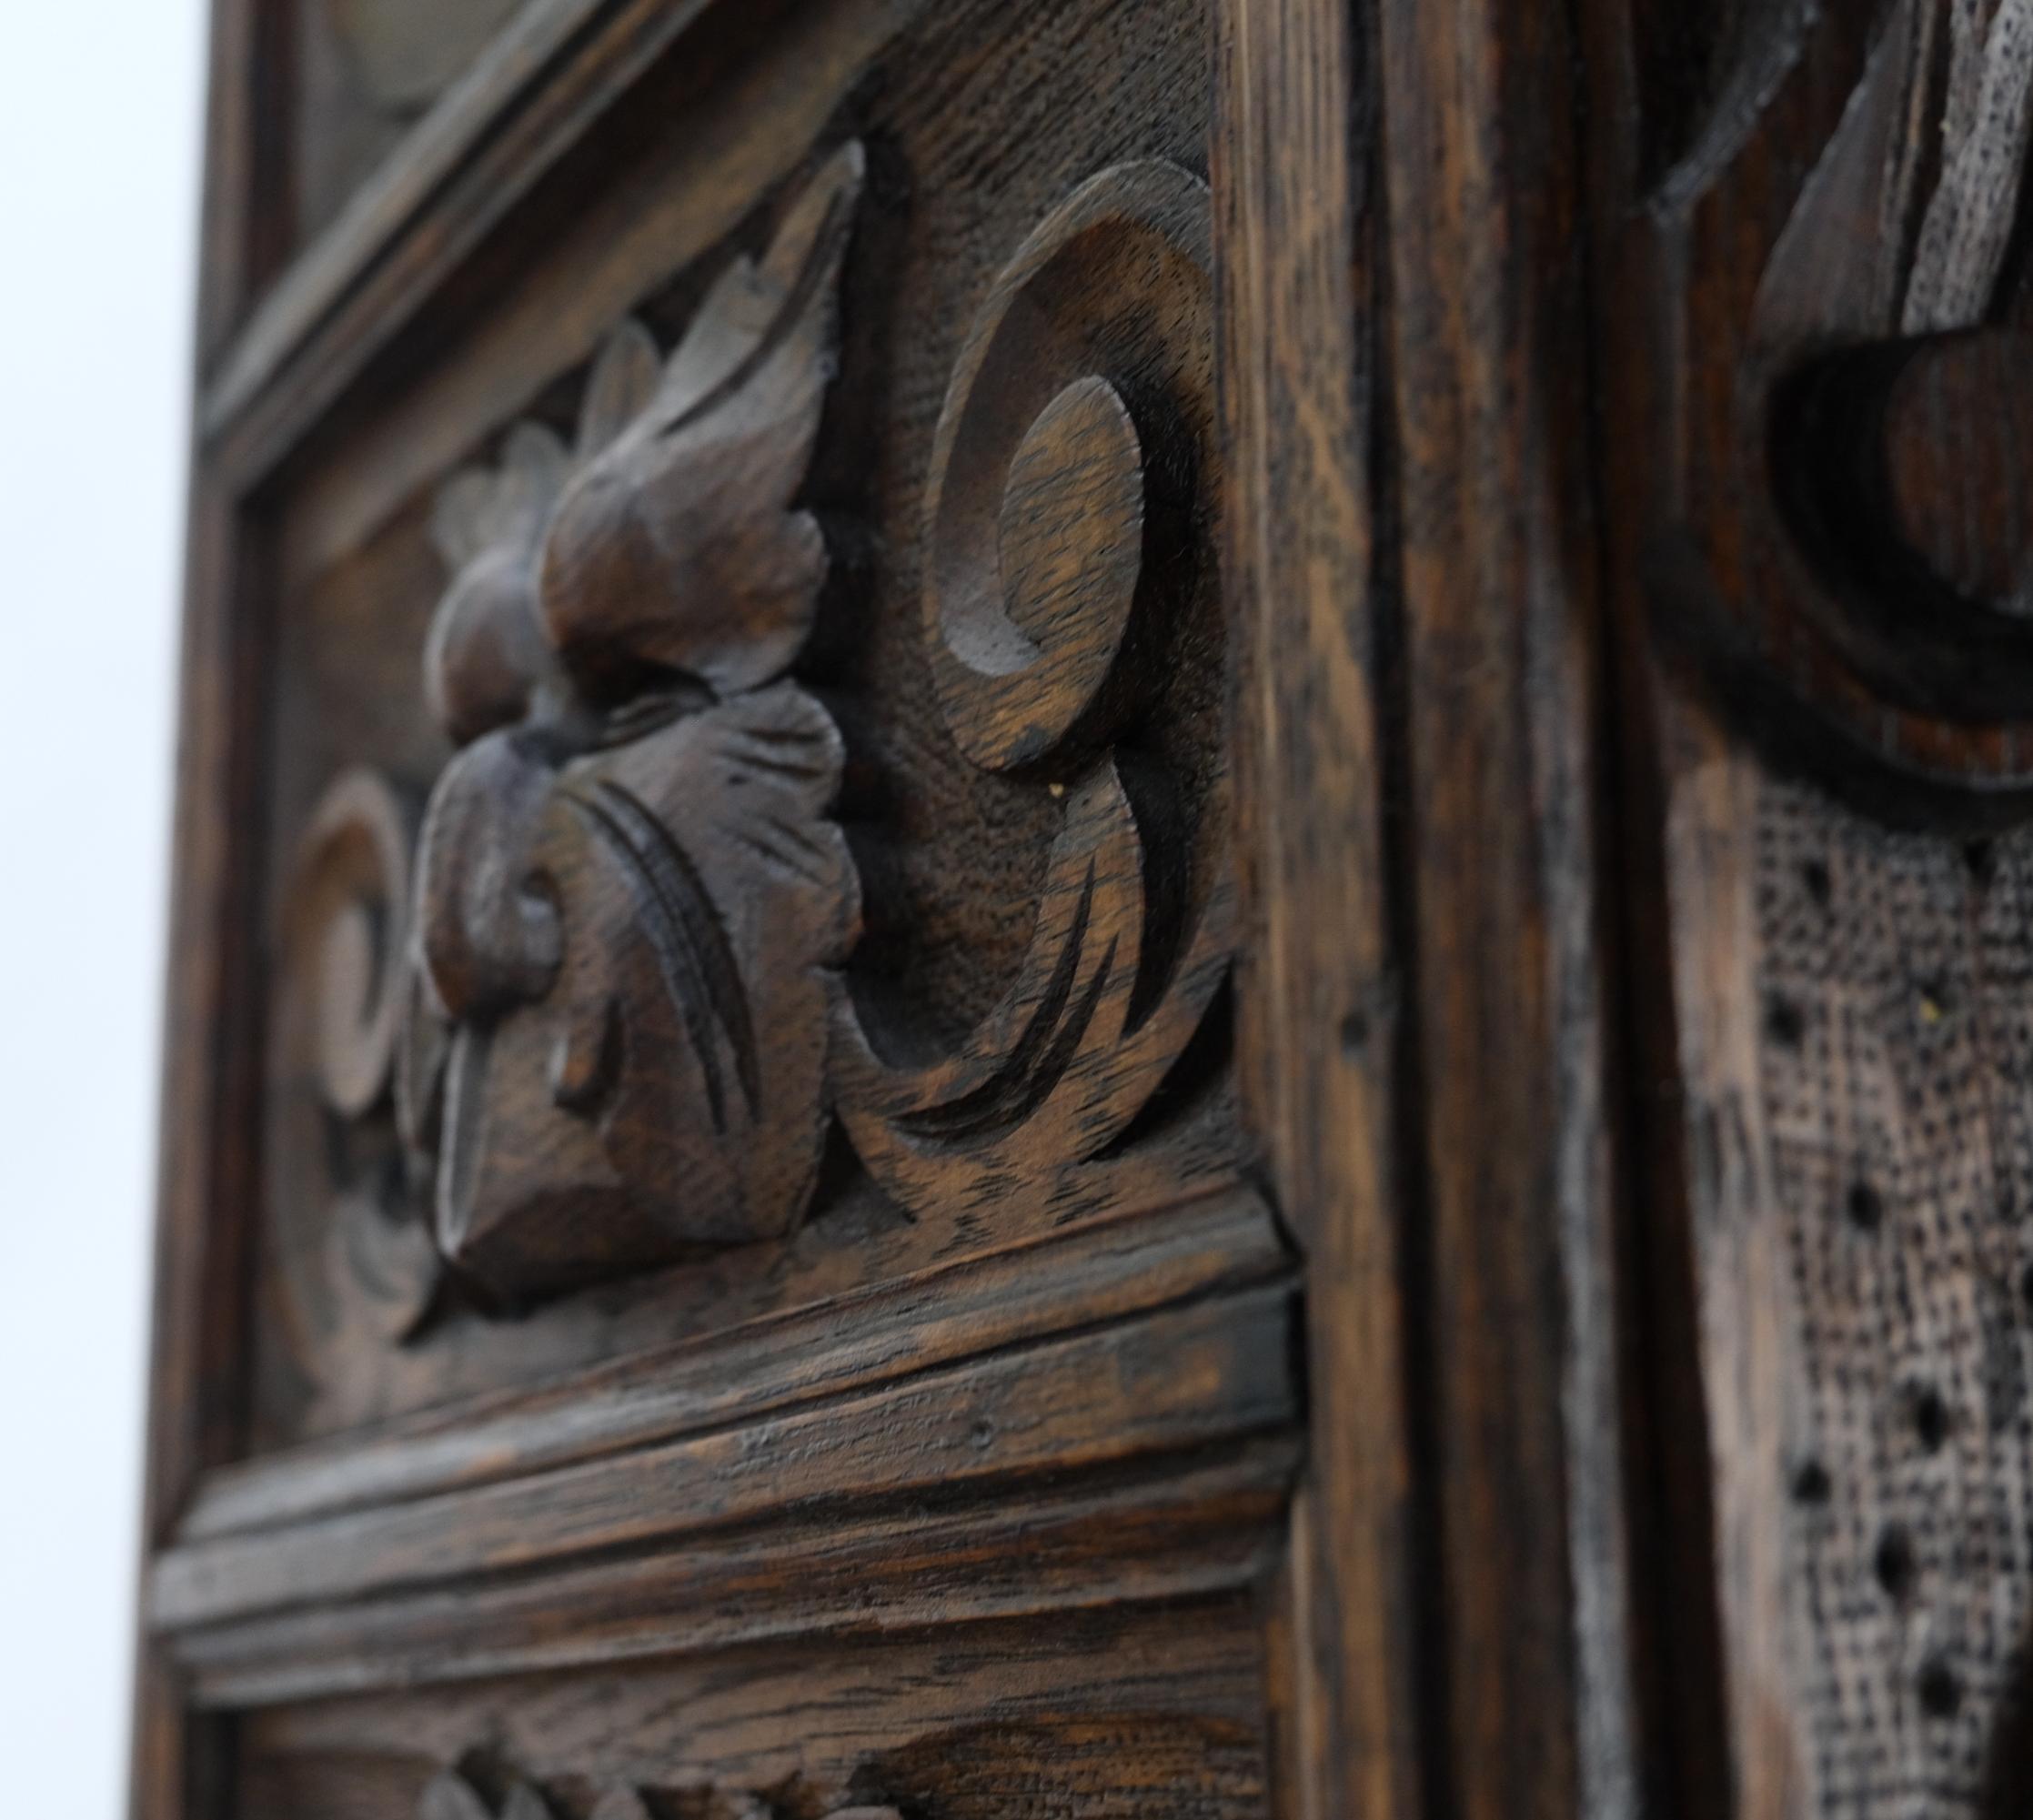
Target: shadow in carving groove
1041,1055
1712,656
2008,1775
692,950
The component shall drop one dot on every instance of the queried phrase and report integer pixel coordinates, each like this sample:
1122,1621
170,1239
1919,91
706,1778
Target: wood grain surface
1101,909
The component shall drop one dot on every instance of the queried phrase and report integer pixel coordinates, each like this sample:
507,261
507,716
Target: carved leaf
1069,1054
629,896
677,547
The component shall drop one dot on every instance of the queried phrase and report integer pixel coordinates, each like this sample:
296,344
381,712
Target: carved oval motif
353,902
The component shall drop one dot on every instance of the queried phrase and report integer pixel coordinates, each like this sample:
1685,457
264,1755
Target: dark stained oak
631,902
1811,529
748,1153
1103,908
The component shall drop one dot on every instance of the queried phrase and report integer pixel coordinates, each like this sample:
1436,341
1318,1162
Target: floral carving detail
452,1797
631,902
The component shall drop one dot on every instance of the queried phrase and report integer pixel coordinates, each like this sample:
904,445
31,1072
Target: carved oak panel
1103,907
748,1299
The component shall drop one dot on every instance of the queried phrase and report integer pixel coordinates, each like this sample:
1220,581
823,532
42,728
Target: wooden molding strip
1508,876
471,115
1213,1527
543,84
1215,1370
938,1317
1296,230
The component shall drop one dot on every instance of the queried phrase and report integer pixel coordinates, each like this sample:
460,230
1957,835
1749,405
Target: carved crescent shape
1067,1058
1045,485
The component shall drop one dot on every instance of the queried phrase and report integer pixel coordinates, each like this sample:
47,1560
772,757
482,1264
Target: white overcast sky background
100,109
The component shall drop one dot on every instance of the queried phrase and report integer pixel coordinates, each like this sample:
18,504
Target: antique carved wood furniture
1100,909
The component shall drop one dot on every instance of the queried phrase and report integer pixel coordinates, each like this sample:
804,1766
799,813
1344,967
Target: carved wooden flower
631,898
452,1797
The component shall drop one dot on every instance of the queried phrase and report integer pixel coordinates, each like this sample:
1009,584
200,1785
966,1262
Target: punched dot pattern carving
1895,1093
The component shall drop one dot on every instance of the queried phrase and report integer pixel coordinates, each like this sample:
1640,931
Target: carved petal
676,548
482,507
451,1797
486,656
624,380
461,515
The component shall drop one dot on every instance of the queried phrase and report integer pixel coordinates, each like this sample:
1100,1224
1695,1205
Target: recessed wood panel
964,865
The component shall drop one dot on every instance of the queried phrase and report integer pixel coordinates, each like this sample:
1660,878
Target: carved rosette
1063,544
631,902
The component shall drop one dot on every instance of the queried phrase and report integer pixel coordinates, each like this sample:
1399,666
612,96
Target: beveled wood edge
176,1767
1511,870
1186,1529
717,163
546,46
1323,1043
1104,1271
1214,1369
